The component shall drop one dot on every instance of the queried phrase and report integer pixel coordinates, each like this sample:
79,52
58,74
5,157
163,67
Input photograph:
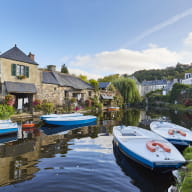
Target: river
83,159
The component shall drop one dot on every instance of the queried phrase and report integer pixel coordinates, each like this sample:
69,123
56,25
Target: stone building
21,77
60,88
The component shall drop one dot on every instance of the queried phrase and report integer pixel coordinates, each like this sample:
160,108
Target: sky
97,38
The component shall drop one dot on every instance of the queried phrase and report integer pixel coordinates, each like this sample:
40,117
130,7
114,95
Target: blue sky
99,37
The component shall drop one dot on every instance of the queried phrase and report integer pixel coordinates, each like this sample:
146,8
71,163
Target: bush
6,111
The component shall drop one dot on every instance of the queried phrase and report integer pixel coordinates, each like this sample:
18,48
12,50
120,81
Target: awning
105,96
15,87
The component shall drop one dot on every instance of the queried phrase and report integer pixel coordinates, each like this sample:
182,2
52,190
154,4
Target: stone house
61,88
106,95
21,77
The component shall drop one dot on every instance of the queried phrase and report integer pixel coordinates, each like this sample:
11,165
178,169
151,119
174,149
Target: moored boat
71,120
147,148
175,134
8,128
60,115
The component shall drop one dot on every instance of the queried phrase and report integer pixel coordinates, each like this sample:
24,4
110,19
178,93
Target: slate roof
16,54
64,80
16,87
154,82
49,78
103,85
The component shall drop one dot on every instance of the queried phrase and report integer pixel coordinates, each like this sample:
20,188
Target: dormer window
18,70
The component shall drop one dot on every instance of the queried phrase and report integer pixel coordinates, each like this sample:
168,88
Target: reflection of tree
131,117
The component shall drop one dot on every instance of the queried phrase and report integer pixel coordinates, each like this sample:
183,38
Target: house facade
21,77
61,88
148,86
187,79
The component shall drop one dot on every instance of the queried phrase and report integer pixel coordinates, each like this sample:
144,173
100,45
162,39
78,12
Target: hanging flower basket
21,77
10,99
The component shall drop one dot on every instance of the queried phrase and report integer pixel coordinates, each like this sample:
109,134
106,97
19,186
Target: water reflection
143,178
19,157
24,156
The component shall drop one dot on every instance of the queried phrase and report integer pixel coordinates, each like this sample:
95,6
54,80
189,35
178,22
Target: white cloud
123,61
128,61
82,72
188,40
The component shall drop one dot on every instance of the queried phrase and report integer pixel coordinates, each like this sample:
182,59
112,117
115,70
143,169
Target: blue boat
43,117
71,120
147,148
8,128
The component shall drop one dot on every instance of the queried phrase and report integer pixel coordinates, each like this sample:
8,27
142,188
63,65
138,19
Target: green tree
176,91
109,78
128,90
94,83
64,69
84,78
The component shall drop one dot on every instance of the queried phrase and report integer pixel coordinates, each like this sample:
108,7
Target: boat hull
8,131
163,129
70,121
160,161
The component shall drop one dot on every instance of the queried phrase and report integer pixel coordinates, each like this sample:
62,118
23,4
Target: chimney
31,56
51,67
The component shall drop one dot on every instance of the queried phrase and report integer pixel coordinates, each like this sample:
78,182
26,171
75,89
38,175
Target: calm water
84,159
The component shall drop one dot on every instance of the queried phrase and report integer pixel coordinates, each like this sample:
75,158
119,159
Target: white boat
8,128
147,148
43,117
5,121
71,120
176,134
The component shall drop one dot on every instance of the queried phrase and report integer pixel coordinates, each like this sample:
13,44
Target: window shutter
26,71
13,69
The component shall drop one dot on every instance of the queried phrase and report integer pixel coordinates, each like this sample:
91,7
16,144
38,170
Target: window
17,70
90,93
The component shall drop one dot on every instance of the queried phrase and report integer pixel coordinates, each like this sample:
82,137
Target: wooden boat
71,120
147,148
8,128
113,109
176,134
60,115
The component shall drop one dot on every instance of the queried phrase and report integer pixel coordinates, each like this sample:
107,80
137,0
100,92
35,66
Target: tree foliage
177,91
84,78
6,111
168,73
64,69
109,78
94,83
128,89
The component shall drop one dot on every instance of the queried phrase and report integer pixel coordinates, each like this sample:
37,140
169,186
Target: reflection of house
20,76
187,79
